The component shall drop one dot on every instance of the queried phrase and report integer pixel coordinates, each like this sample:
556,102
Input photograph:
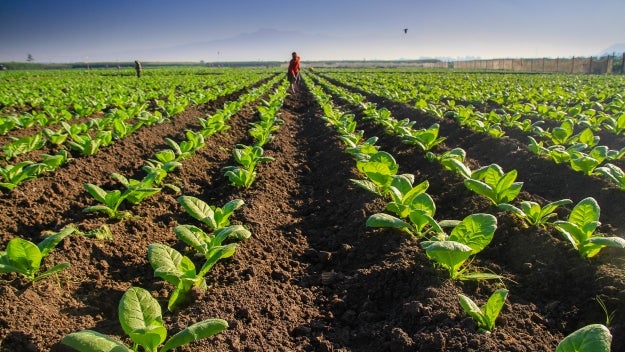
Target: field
312,276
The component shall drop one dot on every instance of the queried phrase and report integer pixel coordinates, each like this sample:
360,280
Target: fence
570,65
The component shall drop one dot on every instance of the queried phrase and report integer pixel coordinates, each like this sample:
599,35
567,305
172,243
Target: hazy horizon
246,30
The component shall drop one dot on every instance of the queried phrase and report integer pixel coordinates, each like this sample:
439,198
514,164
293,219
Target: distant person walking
293,72
138,68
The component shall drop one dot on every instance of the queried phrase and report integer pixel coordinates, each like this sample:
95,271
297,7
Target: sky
59,31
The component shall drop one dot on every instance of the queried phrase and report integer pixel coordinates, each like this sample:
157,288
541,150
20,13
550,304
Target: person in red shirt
293,72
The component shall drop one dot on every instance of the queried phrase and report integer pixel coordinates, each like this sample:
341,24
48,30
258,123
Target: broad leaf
93,341
197,331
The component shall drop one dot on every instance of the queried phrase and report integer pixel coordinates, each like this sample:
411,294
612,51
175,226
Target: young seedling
426,139
204,243
136,191
533,213
491,182
180,271
210,215
485,315
15,174
141,319
239,176
467,238
591,338
408,202
613,173
24,257
580,228
110,202
380,169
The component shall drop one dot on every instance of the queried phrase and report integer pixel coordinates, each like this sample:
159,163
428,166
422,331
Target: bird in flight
405,30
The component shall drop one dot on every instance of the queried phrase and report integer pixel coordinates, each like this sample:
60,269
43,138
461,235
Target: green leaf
386,220
141,319
586,211
199,210
475,231
25,255
55,269
169,264
493,306
449,254
197,331
235,232
193,236
215,254
590,338
93,341
481,188
96,192
52,241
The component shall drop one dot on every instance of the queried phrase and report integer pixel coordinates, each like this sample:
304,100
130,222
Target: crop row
565,129
139,313
86,138
415,211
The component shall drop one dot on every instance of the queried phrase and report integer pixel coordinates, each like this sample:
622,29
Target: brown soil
312,277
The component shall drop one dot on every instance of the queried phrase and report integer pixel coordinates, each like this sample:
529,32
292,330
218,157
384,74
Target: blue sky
153,30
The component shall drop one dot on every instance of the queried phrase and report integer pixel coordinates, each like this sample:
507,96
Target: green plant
590,338
587,163
136,191
111,202
164,159
180,271
580,228
210,215
24,257
380,170
613,173
485,315
23,145
609,316
426,139
490,181
468,237
249,156
452,160
141,319
18,173
85,144
239,176
533,213
411,203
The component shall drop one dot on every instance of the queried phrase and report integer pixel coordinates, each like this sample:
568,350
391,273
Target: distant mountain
264,44
617,49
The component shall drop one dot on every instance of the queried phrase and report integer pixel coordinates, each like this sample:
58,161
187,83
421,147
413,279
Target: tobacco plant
490,181
180,271
580,228
136,191
485,315
533,213
111,201
15,174
141,319
613,173
426,139
210,215
411,203
591,338
380,169
467,238
24,257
